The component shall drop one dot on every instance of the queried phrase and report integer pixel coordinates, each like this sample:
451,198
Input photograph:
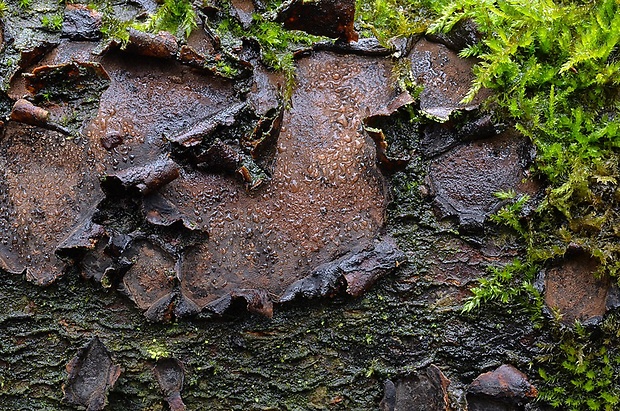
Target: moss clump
277,44
389,19
113,28
175,16
580,369
52,23
554,68
507,284
24,4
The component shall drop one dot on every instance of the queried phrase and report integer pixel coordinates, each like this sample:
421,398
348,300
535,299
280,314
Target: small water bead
294,186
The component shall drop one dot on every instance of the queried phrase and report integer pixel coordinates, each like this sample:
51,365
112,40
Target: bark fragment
358,270
265,134
188,55
362,270
362,47
256,301
143,179
170,375
330,18
81,23
70,91
504,389
438,138
34,54
67,81
372,124
446,79
426,390
92,374
464,180
84,237
162,45
574,290
27,113
206,128
159,211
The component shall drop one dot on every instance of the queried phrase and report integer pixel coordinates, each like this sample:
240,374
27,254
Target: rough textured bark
326,353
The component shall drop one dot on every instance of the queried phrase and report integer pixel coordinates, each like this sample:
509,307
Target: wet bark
376,294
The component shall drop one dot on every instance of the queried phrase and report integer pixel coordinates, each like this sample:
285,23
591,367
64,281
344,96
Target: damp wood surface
175,239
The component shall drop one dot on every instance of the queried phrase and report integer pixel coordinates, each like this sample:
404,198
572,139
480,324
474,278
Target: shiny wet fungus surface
325,196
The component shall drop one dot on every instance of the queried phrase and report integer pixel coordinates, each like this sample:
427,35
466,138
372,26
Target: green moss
507,285
157,350
578,370
52,23
553,67
389,19
276,43
24,4
114,28
175,16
